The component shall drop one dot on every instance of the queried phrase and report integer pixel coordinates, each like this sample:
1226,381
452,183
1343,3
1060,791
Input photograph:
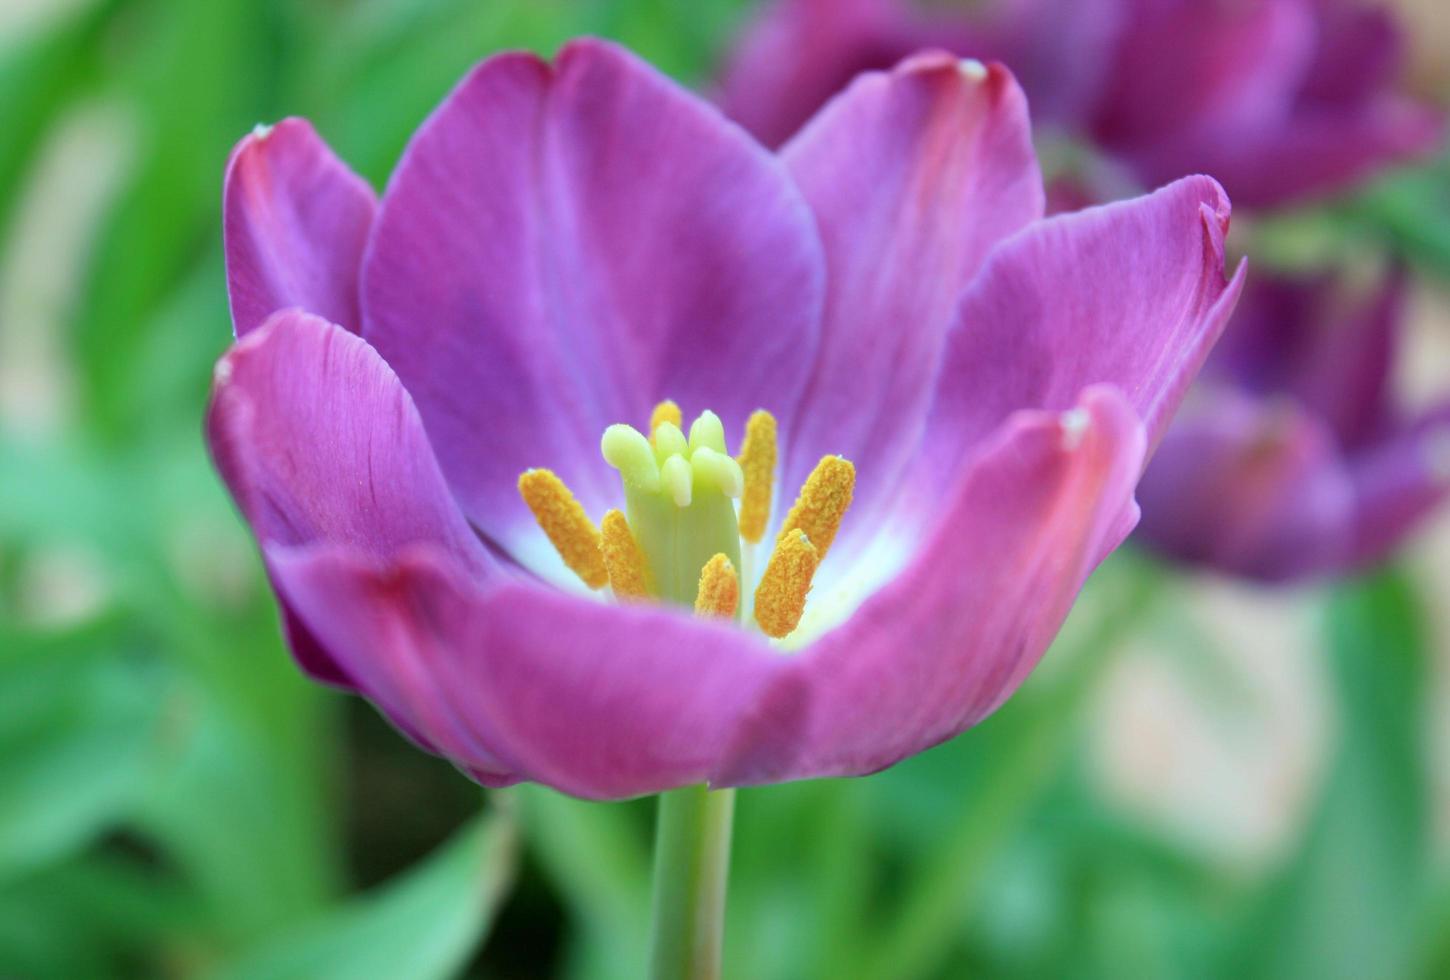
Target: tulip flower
1292,459
455,421
433,400
1281,100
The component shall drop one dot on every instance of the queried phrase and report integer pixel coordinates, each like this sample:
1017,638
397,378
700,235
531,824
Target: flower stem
692,865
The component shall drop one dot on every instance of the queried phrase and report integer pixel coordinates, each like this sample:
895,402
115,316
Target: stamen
822,503
665,411
757,461
568,528
780,598
622,558
719,593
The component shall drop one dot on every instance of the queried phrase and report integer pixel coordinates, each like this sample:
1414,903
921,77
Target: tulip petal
941,646
1398,483
1301,337
295,221
1186,64
564,246
913,175
799,53
391,624
598,701
320,445
1253,487
1313,152
1131,294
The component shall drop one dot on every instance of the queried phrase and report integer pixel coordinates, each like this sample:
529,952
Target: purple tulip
1279,99
563,246
1291,459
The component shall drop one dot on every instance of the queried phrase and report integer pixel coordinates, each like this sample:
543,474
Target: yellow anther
569,529
665,411
822,502
719,593
622,558
757,461
780,598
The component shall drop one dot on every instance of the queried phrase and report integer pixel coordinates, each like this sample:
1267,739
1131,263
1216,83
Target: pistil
678,538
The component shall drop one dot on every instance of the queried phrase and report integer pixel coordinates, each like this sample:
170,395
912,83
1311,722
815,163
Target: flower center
692,511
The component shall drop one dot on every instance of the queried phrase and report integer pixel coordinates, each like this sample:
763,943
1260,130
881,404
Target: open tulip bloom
581,286
1282,100
1293,459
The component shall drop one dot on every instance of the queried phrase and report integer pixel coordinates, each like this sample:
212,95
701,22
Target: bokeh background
1207,778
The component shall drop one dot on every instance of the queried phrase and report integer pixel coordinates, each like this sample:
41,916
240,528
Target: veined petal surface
295,221
913,176
564,245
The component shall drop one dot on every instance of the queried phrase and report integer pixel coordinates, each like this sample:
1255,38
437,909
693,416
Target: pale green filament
679,500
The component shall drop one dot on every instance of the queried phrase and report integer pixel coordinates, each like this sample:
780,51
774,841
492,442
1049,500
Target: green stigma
679,498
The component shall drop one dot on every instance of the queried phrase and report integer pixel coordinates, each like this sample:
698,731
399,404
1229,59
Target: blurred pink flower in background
1280,100
1292,457
564,245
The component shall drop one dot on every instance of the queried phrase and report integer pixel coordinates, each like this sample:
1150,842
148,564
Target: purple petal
1253,488
1302,337
390,624
1186,64
1398,484
599,701
564,246
913,175
1313,152
1268,98
799,53
295,221
320,445
946,642
1359,53
1130,294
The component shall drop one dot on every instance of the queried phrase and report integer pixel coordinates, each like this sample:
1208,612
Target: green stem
692,865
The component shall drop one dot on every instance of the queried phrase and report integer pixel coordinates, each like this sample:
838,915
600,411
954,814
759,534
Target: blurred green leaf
1002,767
39,77
79,732
424,925
1350,900
196,76
597,859
1409,211
86,916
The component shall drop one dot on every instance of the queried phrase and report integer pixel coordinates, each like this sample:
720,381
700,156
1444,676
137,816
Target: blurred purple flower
1279,99
1291,458
563,245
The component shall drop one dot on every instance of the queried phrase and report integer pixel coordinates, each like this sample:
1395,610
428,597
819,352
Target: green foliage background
175,801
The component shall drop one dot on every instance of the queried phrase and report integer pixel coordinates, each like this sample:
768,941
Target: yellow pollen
822,503
569,529
757,460
622,558
780,598
719,593
665,411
